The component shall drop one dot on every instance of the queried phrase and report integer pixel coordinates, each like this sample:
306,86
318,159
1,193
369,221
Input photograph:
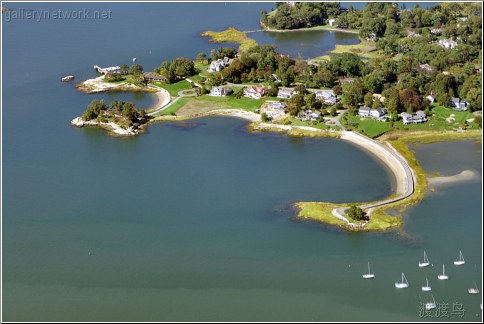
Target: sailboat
431,305
425,262
426,287
473,290
369,275
443,276
403,283
461,260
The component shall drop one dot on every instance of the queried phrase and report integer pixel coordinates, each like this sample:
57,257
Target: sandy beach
466,175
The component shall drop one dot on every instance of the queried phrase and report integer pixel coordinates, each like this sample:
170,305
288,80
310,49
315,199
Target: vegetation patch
231,35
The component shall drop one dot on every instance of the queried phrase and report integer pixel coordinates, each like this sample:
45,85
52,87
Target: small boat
473,290
443,276
425,262
369,275
426,287
403,283
68,78
134,59
461,260
432,304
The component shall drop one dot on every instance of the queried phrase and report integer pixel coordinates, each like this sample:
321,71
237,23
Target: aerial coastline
213,86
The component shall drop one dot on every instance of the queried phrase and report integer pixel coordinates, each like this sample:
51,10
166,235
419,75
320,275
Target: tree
356,213
310,100
135,69
94,109
353,94
124,69
201,56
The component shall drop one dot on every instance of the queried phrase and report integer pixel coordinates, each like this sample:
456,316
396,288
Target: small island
412,78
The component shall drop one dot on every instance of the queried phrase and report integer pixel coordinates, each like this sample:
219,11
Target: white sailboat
461,260
426,287
425,262
432,304
443,276
369,275
473,290
403,283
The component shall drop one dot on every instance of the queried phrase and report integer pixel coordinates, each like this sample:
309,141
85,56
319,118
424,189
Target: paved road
392,157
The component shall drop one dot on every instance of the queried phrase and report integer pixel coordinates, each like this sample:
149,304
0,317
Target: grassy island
231,35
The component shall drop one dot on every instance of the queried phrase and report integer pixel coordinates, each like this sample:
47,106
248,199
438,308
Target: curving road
404,175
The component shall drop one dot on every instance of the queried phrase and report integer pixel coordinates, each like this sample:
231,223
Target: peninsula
402,83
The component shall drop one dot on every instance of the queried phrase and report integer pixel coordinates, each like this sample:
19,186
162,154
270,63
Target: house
255,92
379,97
426,68
327,96
371,37
417,117
377,113
346,80
218,91
447,43
458,104
332,22
310,115
364,111
285,93
274,109
216,66
150,76
430,98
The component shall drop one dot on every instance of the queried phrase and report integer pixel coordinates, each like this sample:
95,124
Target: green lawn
437,122
231,35
230,102
298,122
174,88
174,107
369,127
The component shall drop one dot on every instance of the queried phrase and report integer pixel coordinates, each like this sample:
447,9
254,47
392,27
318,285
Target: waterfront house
218,91
326,96
332,22
220,64
417,117
274,109
255,92
150,76
364,111
309,115
458,104
285,93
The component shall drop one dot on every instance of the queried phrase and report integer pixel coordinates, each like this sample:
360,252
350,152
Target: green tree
356,213
135,69
94,109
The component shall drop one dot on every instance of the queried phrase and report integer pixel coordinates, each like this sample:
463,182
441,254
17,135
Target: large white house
219,65
327,96
285,93
218,91
417,117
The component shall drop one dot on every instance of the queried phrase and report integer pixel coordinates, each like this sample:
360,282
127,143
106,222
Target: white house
417,117
430,98
458,104
364,111
447,43
220,64
377,113
327,96
218,91
332,22
274,109
285,93
255,92
310,115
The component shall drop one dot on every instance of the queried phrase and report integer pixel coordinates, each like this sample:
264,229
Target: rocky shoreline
112,127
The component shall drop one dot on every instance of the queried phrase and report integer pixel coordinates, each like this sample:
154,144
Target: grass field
174,88
364,49
231,35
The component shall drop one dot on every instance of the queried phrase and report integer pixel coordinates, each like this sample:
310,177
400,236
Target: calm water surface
194,223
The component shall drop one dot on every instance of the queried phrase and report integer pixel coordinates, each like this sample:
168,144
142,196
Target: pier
106,70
